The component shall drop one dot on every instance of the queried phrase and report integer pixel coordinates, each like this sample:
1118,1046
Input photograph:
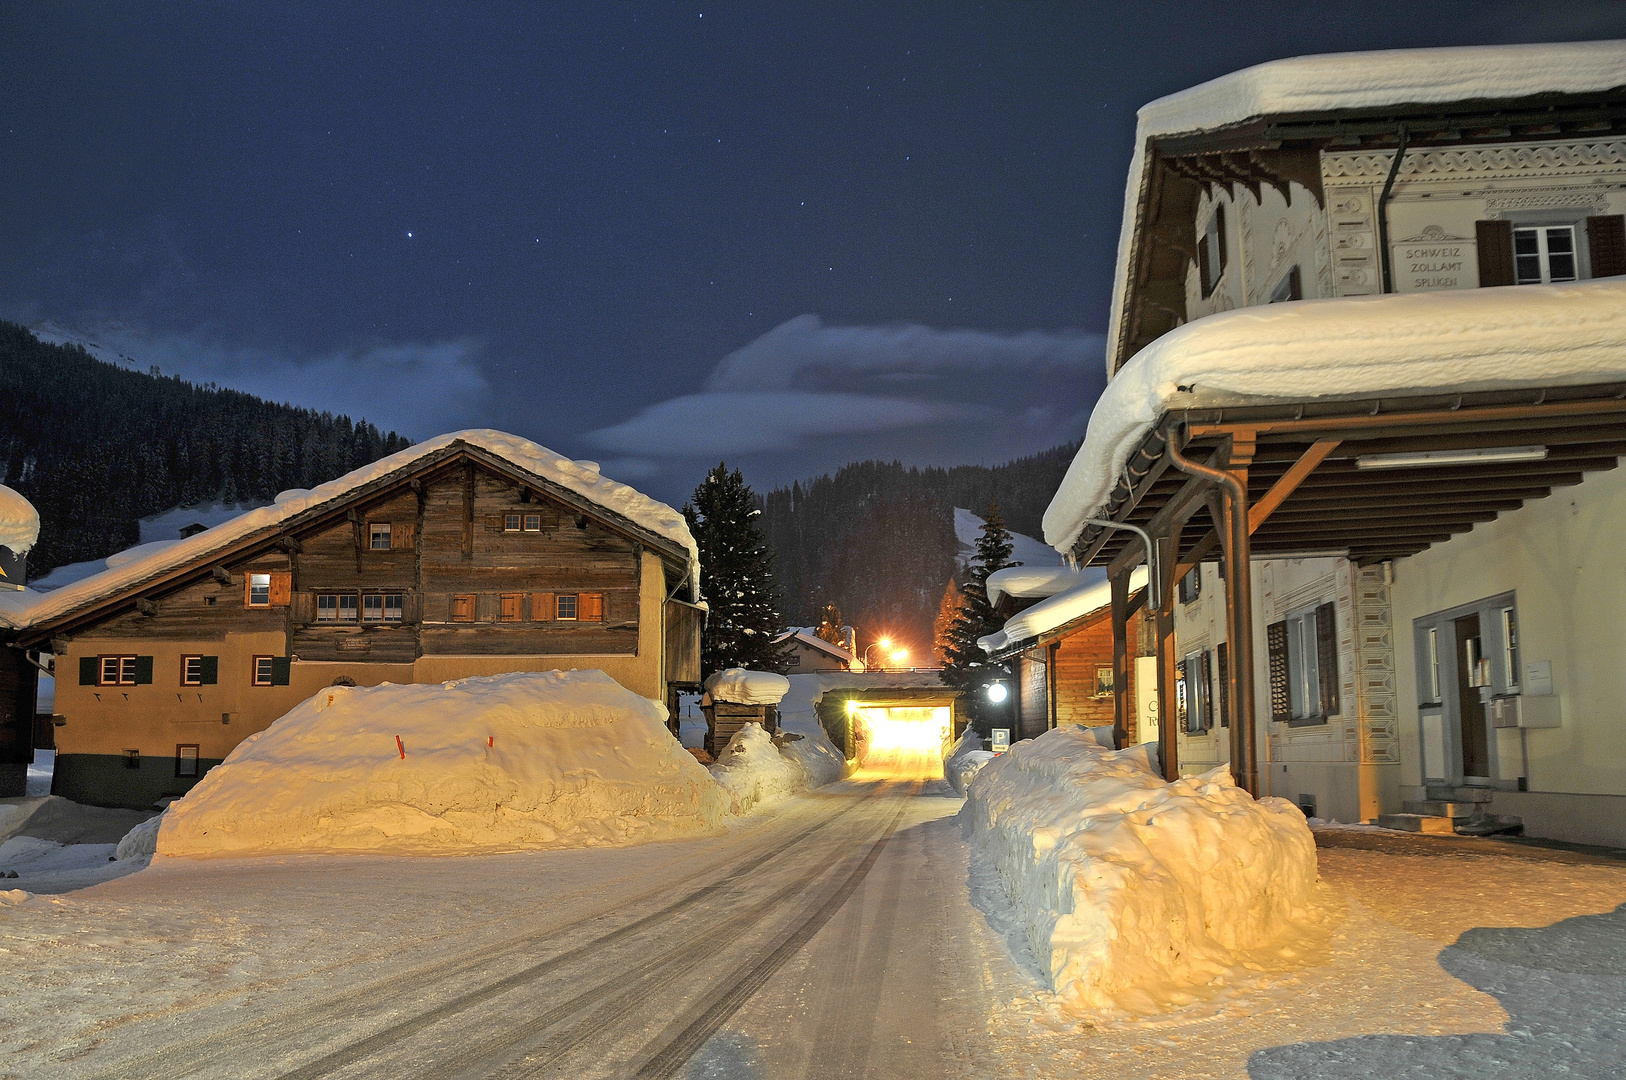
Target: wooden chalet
471,554
811,653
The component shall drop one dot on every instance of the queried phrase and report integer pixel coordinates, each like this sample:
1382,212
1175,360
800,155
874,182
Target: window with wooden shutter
143,670
494,523
1182,696
1281,706
1326,653
282,589
512,607
403,535
1206,698
1495,240
89,671
1606,240
281,670
208,670
463,607
542,606
564,606
590,607
1224,657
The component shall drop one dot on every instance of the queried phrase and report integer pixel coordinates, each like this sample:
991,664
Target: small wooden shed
735,697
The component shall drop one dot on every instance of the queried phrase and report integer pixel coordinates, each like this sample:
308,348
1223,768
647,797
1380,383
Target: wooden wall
1073,672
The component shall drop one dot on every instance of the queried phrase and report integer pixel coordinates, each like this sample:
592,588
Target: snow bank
1059,610
813,753
1027,582
965,760
141,840
529,759
1134,892
1309,84
19,521
537,460
1458,340
744,687
753,771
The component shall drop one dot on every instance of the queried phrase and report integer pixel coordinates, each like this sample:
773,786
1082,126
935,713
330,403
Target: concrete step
1490,825
1440,808
1418,823
1449,793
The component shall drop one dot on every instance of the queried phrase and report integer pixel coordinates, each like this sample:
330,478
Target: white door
1146,697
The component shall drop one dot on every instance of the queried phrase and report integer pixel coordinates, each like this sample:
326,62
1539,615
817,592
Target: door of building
1470,709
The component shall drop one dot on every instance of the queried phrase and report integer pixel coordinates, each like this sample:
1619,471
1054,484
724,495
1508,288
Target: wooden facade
460,564
1065,676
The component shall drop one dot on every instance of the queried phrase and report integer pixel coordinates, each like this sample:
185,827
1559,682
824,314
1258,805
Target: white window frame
559,604
1510,649
376,531
256,664
1303,665
512,522
192,670
533,522
259,585
1543,256
123,670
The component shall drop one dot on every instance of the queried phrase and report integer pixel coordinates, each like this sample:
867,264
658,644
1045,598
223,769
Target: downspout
1383,210
1240,623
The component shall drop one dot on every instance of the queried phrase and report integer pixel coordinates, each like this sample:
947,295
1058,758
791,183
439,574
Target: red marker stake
401,747
491,740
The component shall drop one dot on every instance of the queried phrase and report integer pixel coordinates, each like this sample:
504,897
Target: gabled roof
813,641
577,483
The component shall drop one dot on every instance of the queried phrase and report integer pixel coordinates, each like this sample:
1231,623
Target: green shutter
88,671
279,671
143,670
209,670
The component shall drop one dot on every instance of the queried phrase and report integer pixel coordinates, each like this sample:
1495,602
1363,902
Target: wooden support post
1051,677
1120,661
1168,738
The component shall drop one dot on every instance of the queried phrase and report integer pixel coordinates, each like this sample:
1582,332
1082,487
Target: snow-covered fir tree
736,577
965,666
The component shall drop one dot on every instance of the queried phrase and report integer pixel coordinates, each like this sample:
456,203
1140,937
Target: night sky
656,235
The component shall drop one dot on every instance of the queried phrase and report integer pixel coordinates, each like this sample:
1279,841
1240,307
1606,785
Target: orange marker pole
401,747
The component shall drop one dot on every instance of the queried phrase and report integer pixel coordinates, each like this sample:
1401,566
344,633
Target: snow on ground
754,773
744,687
1024,549
965,759
500,762
814,754
41,771
1138,893
1470,339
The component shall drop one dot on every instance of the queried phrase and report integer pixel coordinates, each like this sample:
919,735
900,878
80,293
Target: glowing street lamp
884,643
996,692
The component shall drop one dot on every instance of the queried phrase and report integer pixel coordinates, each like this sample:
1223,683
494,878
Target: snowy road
832,936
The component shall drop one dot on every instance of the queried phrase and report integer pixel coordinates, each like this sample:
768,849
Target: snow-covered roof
744,687
1024,549
805,636
1027,582
1311,84
1459,340
1062,608
22,609
19,521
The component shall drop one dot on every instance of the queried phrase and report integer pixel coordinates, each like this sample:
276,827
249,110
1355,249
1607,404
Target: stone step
1439,808
1449,793
1418,823
1490,825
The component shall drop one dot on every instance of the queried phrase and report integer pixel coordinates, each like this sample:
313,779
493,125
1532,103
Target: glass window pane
392,607
510,523
1525,242
347,609
1528,269
1560,241
327,608
533,522
1561,268
567,605
380,536
259,590
372,608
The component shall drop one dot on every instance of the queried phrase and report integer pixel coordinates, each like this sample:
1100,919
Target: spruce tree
736,577
966,667
947,612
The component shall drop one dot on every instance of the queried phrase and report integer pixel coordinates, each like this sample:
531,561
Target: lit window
533,522
379,531
191,671
263,670
510,523
259,590
1544,255
567,606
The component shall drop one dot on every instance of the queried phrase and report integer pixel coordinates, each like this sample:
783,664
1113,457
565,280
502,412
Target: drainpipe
1383,209
1240,621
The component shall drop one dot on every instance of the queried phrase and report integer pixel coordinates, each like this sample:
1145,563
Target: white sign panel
1002,740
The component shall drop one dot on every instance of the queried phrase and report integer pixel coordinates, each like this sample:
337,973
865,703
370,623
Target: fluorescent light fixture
1494,455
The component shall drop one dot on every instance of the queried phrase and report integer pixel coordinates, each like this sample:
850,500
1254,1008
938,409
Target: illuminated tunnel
897,733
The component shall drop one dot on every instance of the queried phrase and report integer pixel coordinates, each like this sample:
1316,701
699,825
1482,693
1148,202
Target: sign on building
1002,740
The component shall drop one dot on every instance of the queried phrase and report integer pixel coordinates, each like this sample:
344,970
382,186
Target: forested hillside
95,447
877,539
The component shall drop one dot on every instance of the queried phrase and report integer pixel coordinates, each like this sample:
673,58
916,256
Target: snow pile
1308,84
965,760
31,857
1458,340
813,753
141,840
528,456
753,771
1136,893
742,687
528,759
1027,582
19,521
1063,608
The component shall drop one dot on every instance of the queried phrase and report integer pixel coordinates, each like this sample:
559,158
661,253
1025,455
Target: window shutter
208,670
1208,689
143,674
1224,685
248,589
1182,696
1326,657
1219,234
511,607
280,669
1606,238
494,522
1495,252
591,607
89,669
403,534
1281,705
542,606
282,589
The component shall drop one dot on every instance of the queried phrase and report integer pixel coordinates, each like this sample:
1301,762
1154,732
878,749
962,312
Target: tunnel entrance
900,742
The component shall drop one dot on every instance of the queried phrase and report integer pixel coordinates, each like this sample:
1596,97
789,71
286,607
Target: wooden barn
475,553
